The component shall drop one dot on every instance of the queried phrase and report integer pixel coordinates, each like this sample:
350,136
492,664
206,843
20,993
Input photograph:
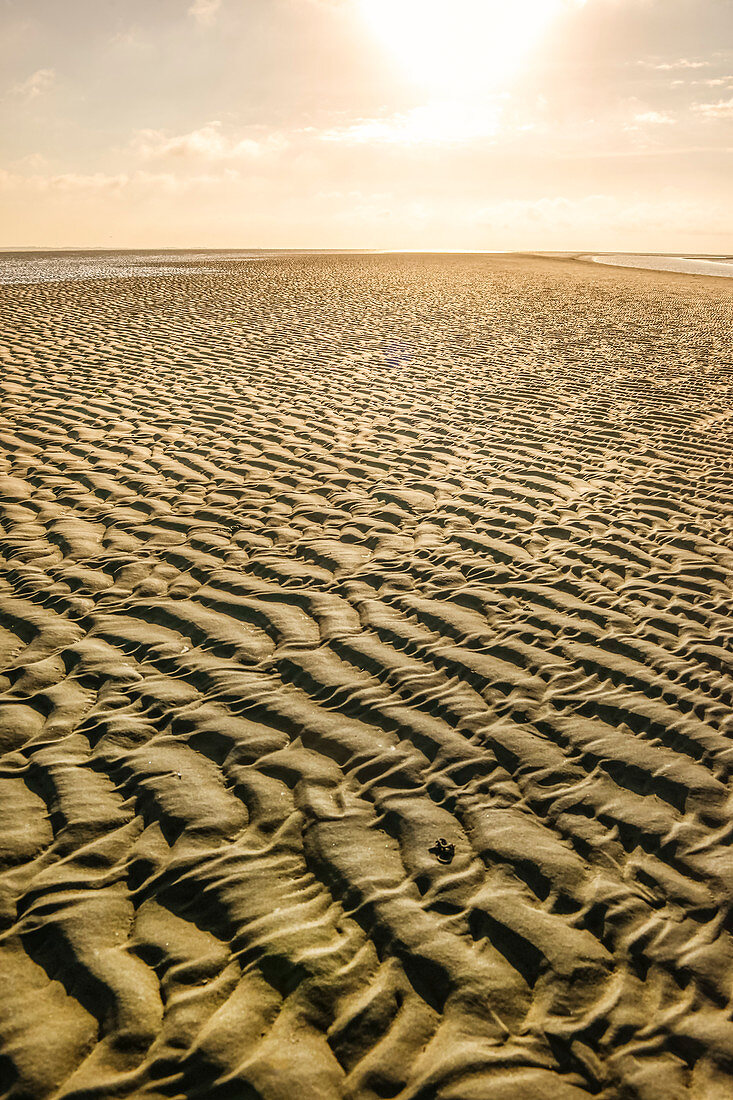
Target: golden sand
308,564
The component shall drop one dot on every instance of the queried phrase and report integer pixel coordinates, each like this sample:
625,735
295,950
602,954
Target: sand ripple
307,564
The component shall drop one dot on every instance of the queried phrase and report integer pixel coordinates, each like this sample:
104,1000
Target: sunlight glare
460,46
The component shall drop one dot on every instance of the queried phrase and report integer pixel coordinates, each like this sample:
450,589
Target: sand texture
308,563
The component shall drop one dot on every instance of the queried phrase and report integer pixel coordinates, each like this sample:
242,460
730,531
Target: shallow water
682,264
54,267
49,266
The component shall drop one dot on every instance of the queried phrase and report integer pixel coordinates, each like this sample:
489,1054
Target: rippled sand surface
308,564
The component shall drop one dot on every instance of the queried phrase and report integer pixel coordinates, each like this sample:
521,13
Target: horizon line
550,252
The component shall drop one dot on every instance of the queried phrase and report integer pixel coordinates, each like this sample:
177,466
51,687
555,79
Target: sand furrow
309,568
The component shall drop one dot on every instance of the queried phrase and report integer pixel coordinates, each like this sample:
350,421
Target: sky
588,125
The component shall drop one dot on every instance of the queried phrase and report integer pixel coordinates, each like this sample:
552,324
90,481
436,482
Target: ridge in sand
365,683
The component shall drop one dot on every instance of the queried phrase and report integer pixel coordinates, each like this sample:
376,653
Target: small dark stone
442,850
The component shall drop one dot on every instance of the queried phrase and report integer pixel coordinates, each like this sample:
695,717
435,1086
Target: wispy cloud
36,84
653,118
679,63
106,183
438,123
722,109
591,211
129,38
209,142
204,11
711,82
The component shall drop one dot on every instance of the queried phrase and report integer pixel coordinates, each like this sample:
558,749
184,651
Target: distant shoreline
684,265
59,265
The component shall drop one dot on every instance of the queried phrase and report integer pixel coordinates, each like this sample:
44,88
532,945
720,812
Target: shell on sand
319,568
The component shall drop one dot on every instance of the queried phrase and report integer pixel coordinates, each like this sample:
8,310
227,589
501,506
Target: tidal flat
366,722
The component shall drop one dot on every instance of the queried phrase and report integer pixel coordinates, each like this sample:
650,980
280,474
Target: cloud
63,181
712,82
438,123
722,109
680,63
110,184
590,222
131,38
589,212
653,118
36,84
233,205
204,11
209,142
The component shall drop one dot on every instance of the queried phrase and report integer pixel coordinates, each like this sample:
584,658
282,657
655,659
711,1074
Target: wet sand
690,265
307,564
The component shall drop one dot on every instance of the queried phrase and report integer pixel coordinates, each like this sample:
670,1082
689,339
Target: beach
366,681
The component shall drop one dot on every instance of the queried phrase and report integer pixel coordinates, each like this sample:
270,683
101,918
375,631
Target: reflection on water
54,266
685,265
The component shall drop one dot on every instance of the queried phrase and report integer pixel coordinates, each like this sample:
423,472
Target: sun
454,47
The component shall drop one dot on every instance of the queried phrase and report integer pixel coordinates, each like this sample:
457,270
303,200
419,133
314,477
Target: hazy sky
415,124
